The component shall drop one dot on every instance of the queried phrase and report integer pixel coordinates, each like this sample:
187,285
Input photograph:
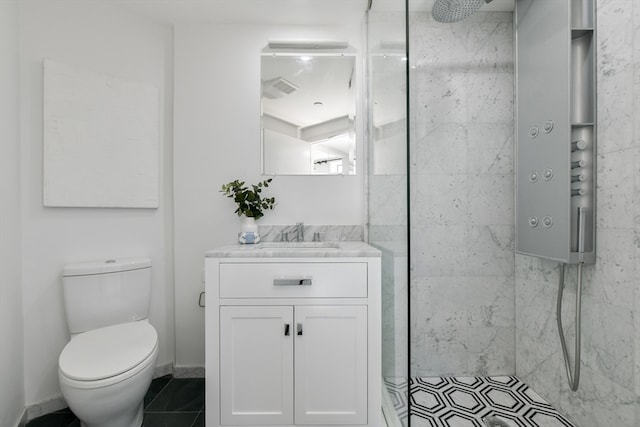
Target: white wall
11,365
96,37
217,135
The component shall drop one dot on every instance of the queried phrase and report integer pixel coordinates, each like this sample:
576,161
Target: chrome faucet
300,231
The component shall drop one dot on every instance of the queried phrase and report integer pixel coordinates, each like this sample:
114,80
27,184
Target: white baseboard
162,370
43,408
188,372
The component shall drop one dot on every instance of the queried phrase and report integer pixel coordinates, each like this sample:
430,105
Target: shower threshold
495,401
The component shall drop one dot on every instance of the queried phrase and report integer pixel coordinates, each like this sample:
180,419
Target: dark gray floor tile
199,422
156,387
56,419
169,402
180,395
169,419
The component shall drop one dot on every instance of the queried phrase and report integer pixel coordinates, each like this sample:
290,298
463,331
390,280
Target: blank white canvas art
100,140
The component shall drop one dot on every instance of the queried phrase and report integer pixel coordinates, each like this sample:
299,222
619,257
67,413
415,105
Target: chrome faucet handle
300,231
316,237
284,236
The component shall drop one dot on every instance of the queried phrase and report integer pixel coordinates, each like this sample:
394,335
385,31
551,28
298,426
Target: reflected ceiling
301,12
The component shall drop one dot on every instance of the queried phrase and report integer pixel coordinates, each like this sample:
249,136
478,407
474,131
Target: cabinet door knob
299,328
286,329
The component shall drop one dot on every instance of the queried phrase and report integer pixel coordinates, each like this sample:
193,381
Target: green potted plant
250,206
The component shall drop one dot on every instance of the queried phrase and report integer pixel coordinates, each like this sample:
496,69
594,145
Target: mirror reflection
308,113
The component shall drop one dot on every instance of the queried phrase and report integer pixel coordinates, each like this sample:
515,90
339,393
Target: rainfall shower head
448,11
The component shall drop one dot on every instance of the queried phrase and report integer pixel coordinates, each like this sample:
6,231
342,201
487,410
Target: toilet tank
105,293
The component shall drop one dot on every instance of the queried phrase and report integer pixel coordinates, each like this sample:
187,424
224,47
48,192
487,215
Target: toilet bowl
106,368
105,373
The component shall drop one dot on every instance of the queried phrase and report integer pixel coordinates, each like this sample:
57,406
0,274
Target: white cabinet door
331,365
256,365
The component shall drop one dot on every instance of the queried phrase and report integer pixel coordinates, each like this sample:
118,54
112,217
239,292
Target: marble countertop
295,250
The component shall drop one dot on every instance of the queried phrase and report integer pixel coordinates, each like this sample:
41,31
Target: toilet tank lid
105,266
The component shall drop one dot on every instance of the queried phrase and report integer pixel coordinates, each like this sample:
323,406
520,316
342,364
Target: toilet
107,367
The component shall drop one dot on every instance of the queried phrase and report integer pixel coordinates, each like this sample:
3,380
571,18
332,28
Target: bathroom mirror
308,111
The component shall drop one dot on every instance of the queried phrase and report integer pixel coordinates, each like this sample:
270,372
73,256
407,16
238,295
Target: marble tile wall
325,233
609,392
461,178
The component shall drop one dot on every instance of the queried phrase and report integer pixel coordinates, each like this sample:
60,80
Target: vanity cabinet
293,341
267,352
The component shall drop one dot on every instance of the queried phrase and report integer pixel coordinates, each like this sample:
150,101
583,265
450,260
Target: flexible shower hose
573,376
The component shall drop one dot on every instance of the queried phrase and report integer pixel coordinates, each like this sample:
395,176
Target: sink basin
298,245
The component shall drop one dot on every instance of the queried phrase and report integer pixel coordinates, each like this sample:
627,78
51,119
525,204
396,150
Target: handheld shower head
448,11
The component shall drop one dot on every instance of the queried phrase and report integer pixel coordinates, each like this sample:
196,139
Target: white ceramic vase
248,231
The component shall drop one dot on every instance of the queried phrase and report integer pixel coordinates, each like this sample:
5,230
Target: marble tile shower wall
462,227
609,393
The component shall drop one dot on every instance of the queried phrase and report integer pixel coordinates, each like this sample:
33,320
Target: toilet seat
108,355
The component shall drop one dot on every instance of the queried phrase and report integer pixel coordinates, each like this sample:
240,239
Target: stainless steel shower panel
555,151
542,84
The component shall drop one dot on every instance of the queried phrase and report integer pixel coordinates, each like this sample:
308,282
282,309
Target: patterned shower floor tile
466,401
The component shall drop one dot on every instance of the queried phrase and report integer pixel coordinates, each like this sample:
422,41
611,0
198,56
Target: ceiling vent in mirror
277,88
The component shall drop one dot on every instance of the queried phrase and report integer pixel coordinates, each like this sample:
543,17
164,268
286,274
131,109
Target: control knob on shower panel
578,164
533,176
534,131
548,126
533,222
548,174
547,221
578,145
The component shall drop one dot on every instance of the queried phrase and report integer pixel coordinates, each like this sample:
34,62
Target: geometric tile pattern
467,401
397,388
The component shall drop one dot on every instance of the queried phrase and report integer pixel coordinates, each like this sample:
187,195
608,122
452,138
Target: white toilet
107,367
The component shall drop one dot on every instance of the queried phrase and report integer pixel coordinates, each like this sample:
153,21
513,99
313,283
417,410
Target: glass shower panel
387,198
